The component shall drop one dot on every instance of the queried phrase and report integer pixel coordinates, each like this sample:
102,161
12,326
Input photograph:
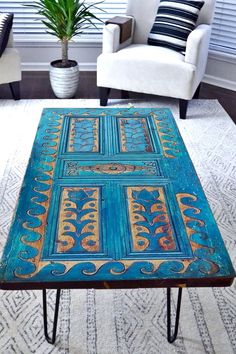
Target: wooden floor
36,85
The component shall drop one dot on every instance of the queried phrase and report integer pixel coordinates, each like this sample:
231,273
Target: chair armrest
111,37
197,46
125,24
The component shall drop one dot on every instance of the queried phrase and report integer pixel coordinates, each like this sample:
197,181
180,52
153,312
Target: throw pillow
174,21
6,20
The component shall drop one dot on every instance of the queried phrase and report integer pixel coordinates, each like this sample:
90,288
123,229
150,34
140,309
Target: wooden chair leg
104,93
183,105
196,94
124,94
15,89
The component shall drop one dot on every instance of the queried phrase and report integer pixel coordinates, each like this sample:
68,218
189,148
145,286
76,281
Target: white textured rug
133,321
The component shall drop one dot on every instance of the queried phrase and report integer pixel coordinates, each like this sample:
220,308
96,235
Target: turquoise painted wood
111,195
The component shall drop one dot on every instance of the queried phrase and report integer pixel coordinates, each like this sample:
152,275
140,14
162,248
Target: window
223,36
25,22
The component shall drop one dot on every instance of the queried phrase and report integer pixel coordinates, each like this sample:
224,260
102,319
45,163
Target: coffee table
110,199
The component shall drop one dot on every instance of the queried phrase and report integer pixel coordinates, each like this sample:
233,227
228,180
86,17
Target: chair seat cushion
10,66
6,20
144,53
147,69
174,21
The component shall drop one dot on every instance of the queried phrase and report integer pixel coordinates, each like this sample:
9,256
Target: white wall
221,68
38,55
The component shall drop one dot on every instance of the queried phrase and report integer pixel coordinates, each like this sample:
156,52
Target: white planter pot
64,81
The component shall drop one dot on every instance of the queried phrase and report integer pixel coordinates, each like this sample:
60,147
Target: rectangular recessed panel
150,220
134,135
78,221
83,135
73,168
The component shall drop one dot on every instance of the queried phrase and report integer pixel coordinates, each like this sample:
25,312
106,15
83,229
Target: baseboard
209,79
220,82
45,66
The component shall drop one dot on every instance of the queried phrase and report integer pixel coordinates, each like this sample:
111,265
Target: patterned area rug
125,321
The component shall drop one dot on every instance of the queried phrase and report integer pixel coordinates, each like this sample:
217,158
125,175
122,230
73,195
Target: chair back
144,12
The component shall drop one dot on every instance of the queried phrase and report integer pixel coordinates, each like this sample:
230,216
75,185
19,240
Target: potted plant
65,19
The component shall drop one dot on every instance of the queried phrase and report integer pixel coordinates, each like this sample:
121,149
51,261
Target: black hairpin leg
171,338
45,320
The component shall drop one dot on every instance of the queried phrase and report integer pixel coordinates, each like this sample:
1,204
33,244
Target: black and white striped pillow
6,20
174,21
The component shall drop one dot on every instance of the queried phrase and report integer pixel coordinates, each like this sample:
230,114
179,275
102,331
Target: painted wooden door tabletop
110,198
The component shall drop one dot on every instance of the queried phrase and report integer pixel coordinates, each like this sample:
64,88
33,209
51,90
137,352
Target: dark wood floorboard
35,84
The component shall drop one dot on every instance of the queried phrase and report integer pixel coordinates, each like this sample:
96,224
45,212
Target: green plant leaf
66,19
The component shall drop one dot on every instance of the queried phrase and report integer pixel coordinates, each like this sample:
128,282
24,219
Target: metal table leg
172,337
45,321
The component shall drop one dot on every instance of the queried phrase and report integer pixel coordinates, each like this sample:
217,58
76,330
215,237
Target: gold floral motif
69,217
149,215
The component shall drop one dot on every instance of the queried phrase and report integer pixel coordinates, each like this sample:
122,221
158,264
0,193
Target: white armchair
136,66
10,68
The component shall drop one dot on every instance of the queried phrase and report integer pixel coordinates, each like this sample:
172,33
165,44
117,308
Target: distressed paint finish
132,168
149,219
134,135
87,211
168,138
83,135
78,220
